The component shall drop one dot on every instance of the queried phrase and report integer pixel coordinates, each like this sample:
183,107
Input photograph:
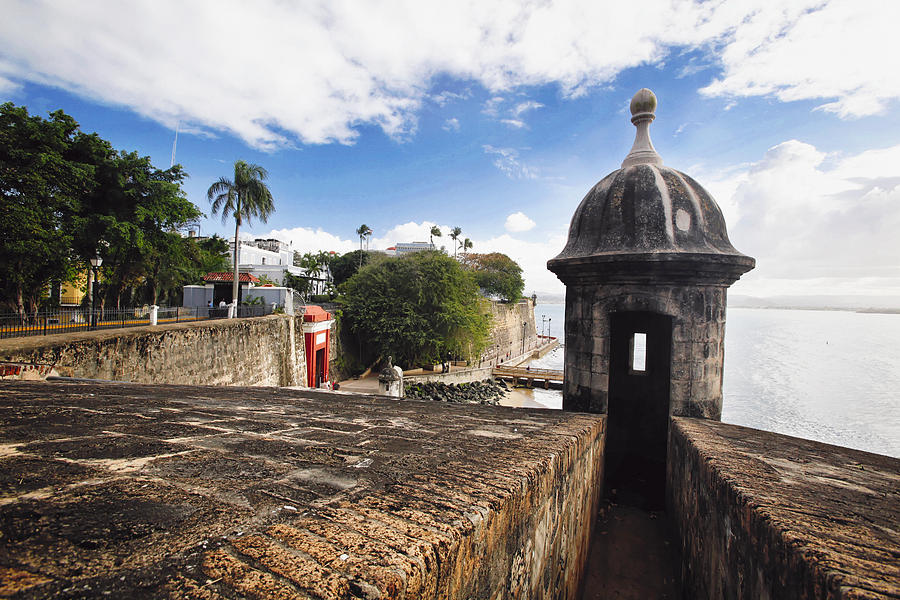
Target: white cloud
843,51
517,222
491,106
443,98
7,87
816,223
275,73
531,253
303,240
407,232
507,160
451,125
514,123
524,107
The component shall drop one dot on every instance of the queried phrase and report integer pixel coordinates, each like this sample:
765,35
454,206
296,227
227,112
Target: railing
73,320
298,301
528,373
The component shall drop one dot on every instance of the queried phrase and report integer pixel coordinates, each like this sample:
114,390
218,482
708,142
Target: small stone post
154,315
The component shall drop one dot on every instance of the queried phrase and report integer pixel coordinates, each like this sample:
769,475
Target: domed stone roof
646,216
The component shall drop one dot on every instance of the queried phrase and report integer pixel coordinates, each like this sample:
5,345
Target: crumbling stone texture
698,343
763,515
133,491
255,351
506,329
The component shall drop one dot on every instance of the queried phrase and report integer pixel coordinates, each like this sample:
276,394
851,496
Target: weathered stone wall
254,351
767,516
221,492
698,343
507,330
462,376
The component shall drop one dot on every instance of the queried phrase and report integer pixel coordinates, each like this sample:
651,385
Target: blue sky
499,117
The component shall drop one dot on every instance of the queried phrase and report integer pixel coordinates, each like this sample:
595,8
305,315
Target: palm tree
363,231
454,235
435,232
465,245
324,260
244,197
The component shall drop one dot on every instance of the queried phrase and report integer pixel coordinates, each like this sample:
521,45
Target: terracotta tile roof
224,277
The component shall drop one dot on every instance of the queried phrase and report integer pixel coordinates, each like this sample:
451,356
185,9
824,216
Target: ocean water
830,376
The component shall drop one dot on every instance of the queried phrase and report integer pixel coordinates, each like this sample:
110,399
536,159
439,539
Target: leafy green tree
212,255
343,267
243,197
496,274
145,207
299,284
41,183
130,217
417,308
68,196
465,245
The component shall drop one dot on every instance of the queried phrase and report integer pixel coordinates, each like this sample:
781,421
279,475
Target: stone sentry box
647,253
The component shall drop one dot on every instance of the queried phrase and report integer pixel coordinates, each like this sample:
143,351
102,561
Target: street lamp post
95,266
548,327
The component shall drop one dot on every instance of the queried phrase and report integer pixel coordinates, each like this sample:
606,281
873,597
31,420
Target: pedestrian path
632,557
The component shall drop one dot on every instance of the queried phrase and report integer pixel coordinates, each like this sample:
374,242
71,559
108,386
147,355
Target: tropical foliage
244,197
67,196
343,267
417,308
454,235
435,232
497,275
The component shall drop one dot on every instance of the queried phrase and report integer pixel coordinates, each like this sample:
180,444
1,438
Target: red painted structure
317,340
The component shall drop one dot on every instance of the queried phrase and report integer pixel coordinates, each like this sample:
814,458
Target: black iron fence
72,320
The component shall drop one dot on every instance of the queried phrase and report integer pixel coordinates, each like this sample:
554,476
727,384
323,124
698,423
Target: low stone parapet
222,492
763,515
254,351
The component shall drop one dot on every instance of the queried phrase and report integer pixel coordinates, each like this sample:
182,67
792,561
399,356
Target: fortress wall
507,330
254,351
226,492
766,516
463,376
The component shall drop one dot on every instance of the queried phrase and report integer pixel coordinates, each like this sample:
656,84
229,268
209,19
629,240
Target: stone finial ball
644,101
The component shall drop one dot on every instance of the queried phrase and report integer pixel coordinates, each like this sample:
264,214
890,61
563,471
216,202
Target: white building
406,247
266,258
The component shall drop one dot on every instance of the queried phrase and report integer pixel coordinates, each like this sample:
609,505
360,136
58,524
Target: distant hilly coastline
865,304
868,304
550,298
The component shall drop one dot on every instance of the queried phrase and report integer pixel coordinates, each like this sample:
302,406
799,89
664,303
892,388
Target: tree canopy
66,196
418,308
496,274
343,267
41,183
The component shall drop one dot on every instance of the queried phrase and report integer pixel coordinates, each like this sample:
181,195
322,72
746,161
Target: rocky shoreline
476,392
